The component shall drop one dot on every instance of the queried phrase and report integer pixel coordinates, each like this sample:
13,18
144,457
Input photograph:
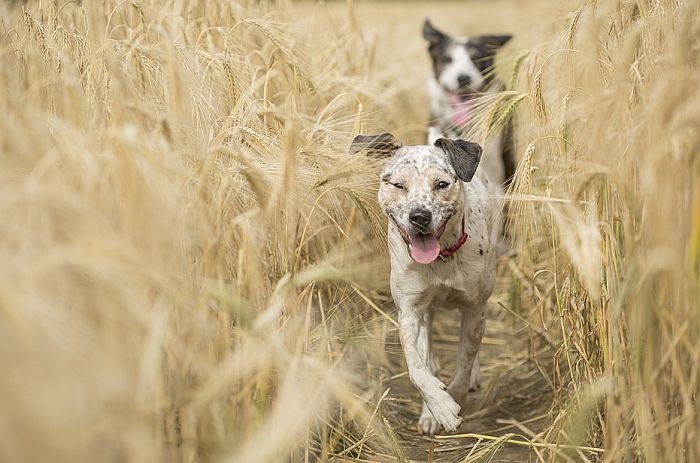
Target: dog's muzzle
421,219
423,246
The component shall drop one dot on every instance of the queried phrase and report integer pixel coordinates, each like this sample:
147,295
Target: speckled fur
463,281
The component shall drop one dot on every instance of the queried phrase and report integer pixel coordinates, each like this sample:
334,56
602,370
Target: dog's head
462,66
421,186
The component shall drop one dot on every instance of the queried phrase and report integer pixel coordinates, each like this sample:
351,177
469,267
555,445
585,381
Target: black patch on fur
382,145
438,44
482,51
433,35
494,42
463,155
508,153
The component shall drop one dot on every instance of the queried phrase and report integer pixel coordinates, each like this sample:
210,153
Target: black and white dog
462,69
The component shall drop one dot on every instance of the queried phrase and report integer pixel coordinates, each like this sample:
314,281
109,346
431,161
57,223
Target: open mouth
461,108
461,95
423,248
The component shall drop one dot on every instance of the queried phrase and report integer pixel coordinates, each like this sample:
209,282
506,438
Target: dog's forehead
418,158
451,44
470,44
458,47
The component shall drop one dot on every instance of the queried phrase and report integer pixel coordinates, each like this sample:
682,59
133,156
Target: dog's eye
446,60
398,185
441,185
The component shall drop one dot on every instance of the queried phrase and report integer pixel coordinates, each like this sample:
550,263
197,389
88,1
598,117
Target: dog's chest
460,282
449,294
456,291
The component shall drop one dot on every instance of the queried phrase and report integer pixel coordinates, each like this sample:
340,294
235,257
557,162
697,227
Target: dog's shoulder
484,197
481,188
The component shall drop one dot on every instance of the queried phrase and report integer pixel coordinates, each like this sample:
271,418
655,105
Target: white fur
440,108
433,134
463,281
492,161
461,64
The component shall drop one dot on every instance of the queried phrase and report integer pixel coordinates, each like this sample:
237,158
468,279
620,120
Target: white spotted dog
462,69
443,228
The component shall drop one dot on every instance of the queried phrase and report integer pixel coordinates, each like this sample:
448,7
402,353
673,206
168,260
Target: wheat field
194,268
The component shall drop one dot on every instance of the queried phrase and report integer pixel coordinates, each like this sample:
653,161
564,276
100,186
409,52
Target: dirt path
513,389
514,396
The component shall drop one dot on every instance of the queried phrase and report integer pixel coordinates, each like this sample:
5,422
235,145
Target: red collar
455,247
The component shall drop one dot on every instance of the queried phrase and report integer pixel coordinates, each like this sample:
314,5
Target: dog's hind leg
471,332
475,381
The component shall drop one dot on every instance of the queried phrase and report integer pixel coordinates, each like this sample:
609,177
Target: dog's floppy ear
382,145
431,34
494,42
463,155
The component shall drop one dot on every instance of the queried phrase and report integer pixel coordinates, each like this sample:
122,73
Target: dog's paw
440,403
427,424
444,409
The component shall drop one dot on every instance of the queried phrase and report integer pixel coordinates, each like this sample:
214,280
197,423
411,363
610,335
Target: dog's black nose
464,80
421,218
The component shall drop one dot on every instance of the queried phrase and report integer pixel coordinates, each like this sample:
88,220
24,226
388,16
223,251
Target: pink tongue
461,110
424,248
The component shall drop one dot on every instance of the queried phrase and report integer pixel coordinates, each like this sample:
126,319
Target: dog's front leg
427,424
471,332
434,392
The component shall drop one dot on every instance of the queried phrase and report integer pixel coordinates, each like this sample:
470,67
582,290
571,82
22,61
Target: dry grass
611,248
194,268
